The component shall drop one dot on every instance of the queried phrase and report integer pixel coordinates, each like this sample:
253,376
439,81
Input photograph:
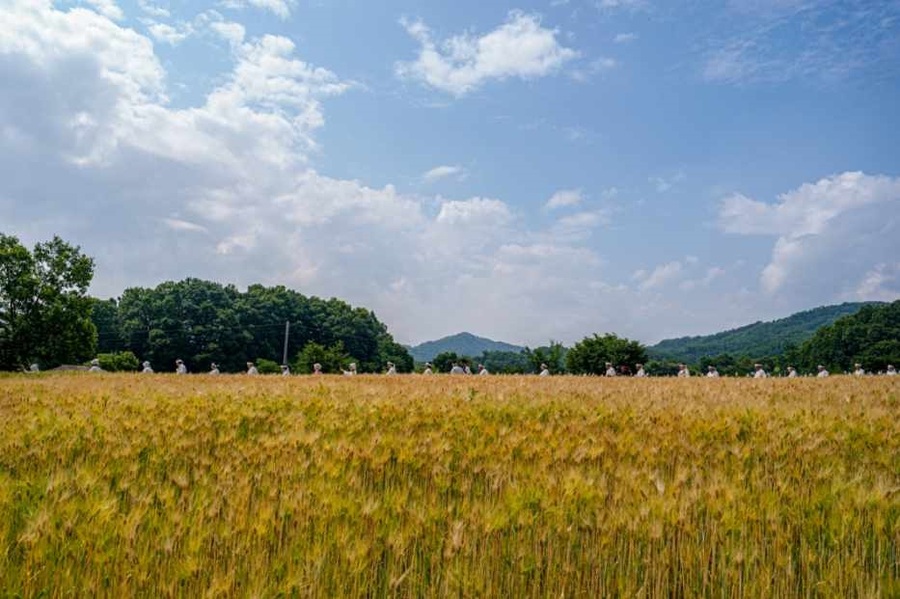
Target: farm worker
428,369
711,372
391,369
251,369
34,368
891,371
822,372
610,371
639,371
792,372
457,369
544,370
285,370
147,369
482,370
180,368
683,371
95,366
352,369
467,369
214,368
317,368
860,371
759,373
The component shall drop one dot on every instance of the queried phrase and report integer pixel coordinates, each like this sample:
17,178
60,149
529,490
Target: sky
527,171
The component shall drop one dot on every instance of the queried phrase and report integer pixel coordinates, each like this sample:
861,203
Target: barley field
165,486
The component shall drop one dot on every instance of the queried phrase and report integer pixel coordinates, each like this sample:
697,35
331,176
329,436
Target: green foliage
333,359
443,362
105,316
554,356
870,337
756,340
264,366
44,308
118,361
589,356
505,362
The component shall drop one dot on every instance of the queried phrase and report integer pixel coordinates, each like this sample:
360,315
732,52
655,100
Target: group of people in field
462,368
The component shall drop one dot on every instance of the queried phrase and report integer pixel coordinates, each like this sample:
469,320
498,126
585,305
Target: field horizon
514,486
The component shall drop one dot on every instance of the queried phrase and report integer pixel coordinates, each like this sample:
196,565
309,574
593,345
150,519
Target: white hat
95,362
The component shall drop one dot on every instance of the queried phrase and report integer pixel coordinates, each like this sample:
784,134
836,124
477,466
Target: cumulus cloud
519,48
281,8
442,172
107,8
564,198
835,238
167,34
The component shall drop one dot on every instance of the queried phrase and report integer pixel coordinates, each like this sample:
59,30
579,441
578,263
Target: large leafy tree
590,355
45,313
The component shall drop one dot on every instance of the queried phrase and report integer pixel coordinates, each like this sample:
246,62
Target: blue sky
526,171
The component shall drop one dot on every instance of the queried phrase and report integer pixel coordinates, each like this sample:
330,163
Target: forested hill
755,340
463,344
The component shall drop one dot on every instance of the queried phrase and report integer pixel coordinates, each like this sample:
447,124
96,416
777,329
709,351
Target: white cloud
660,276
625,38
107,8
442,172
664,184
281,8
481,211
153,10
176,224
835,237
231,32
564,198
520,48
167,34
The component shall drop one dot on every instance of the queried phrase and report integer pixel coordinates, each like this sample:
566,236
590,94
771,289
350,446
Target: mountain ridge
463,344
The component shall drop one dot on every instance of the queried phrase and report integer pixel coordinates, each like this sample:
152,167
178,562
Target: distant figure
180,368
482,370
544,370
351,371
640,371
285,370
391,369
466,369
759,372
251,369
95,366
859,370
610,371
822,372
146,369
711,372
792,372
683,371
457,369
34,368
428,369
317,368
214,368
891,371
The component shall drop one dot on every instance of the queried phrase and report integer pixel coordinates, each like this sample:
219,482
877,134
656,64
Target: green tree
118,361
44,307
554,356
333,359
590,355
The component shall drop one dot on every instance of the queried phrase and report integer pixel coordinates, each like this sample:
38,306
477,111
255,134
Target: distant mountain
755,340
464,344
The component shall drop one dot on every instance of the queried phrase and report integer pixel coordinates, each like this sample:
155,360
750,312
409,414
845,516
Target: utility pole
287,330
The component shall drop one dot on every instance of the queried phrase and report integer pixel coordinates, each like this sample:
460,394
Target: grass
128,485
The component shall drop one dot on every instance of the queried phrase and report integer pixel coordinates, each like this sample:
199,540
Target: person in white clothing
711,372
891,371
285,370
317,368
822,372
180,368
859,370
544,370
640,371
391,369
683,371
428,369
146,369
95,366
610,371
351,369
482,370
214,368
792,372
251,369
466,369
759,372
457,369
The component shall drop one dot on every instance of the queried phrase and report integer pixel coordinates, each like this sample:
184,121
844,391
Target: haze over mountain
755,340
464,344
